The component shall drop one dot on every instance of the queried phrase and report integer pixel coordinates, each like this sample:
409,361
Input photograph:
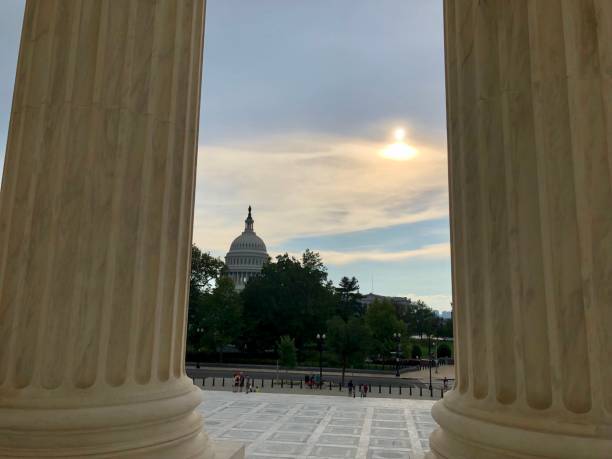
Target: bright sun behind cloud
399,151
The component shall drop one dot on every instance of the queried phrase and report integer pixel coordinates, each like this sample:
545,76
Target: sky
328,117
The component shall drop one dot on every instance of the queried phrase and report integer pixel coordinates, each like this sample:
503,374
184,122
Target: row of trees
293,299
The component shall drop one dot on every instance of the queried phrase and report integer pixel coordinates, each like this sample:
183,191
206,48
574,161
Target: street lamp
320,340
397,337
199,331
430,359
436,355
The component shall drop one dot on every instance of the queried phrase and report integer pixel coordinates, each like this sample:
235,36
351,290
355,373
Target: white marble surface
315,426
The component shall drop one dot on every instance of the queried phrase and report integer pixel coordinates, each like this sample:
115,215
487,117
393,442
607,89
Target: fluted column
529,96
95,231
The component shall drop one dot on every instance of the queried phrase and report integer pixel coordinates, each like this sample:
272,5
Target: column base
160,427
463,437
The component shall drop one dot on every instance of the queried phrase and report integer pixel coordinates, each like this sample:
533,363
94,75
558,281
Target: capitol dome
246,255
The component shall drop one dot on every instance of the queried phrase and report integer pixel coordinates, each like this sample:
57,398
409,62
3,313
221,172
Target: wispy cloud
307,184
433,251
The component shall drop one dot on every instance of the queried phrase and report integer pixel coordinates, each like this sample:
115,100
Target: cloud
309,184
427,252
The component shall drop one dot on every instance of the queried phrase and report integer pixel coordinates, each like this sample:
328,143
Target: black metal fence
288,385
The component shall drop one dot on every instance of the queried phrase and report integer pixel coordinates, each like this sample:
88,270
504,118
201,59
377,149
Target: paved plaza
317,426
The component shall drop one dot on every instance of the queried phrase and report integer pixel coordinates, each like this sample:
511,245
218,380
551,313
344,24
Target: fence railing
288,385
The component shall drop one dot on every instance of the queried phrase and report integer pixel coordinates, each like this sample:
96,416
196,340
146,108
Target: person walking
236,382
365,390
350,388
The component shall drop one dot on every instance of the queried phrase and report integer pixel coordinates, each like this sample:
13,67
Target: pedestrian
241,381
365,390
361,390
236,382
445,383
350,387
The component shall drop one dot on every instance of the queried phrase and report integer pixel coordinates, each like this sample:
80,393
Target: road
358,378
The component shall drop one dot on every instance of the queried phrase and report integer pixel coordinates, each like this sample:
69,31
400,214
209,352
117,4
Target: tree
417,316
221,316
444,350
382,321
204,270
446,330
290,297
416,351
348,298
350,341
287,355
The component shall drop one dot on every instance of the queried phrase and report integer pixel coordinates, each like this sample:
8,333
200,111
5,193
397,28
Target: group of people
312,381
363,389
242,381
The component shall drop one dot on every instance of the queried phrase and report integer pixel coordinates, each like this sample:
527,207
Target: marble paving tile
341,440
287,426
294,437
389,433
342,430
391,443
389,424
389,454
333,452
278,447
290,427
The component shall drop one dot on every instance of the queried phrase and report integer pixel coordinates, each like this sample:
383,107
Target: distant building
399,302
443,314
246,255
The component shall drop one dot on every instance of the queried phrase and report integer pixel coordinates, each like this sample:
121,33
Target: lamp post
200,332
320,340
436,354
397,337
430,359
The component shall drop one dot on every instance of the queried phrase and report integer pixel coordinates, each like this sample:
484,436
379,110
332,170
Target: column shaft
95,231
529,101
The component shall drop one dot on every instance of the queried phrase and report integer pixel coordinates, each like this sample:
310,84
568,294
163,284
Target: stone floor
316,426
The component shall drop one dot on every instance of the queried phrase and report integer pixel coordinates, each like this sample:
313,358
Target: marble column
95,232
529,95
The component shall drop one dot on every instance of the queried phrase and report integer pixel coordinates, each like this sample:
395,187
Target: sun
399,151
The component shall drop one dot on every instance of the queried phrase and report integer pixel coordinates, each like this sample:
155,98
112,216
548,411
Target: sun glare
399,151
400,134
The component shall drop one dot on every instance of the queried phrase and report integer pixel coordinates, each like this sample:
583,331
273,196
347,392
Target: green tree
205,271
291,297
221,316
444,350
446,330
287,354
417,316
350,341
382,321
348,298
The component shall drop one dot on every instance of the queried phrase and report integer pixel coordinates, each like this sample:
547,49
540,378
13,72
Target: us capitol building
246,255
